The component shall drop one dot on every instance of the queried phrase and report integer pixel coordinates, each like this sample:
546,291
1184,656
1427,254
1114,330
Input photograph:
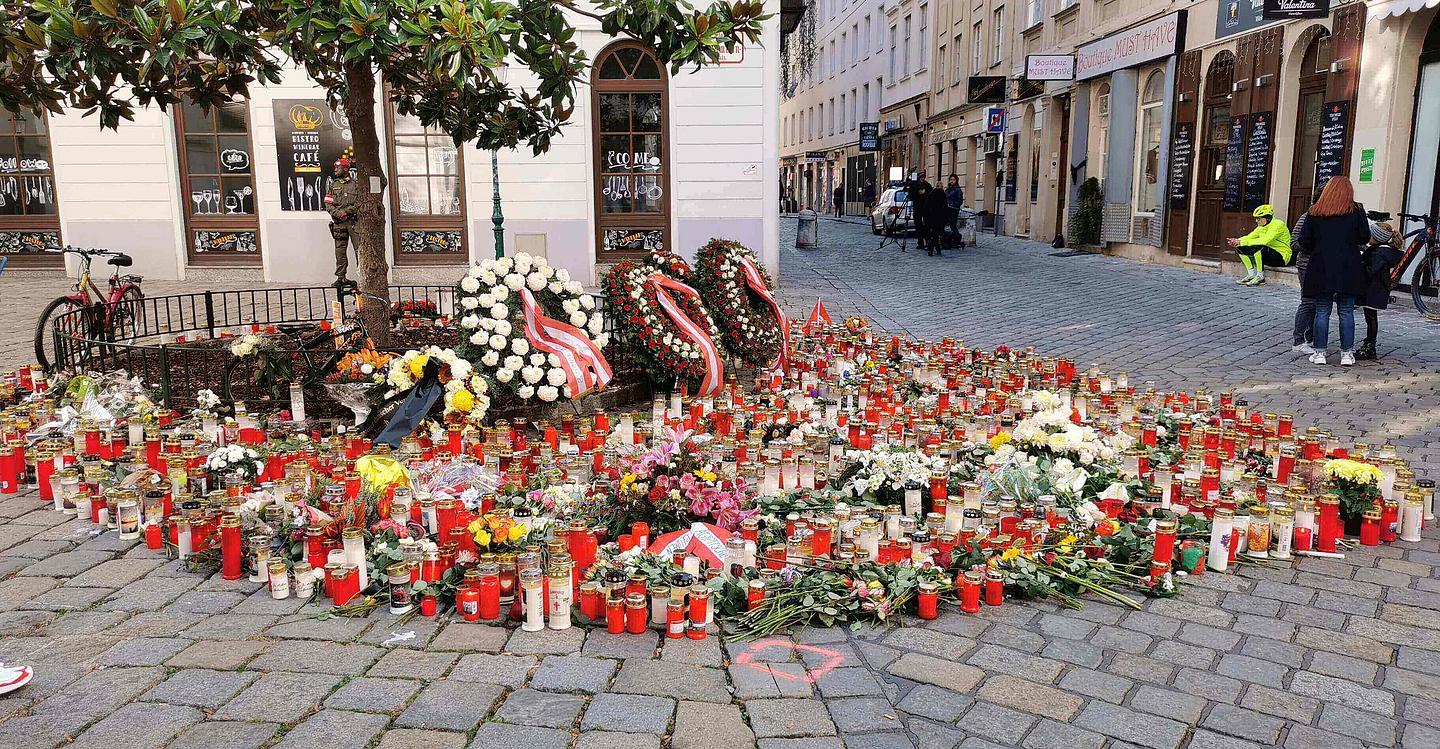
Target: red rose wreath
664,319
737,291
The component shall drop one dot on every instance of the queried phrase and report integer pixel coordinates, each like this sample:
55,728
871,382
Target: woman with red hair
1333,234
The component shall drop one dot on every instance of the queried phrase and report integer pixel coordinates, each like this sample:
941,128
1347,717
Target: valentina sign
1150,41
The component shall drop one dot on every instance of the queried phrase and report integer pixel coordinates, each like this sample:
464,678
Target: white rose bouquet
235,460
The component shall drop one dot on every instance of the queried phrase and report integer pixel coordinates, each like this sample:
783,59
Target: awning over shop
1387,8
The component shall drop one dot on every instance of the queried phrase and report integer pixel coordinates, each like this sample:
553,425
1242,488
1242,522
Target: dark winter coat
935,208
1334,243
1379,260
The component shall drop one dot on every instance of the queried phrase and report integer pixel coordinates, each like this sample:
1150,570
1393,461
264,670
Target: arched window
1218,80
1102,130
29,214
632,154
1147,191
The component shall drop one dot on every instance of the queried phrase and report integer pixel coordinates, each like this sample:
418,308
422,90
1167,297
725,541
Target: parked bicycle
306,354
1424,252
115,316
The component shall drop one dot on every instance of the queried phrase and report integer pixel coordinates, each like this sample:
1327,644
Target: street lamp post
498,216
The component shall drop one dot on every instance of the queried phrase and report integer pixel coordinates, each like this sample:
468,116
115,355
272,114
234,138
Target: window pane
38,194
408,124
234,154
614,113
239,195
616,149
9,160
445,196
200,154
648,70
414,195
647,112
410,155
197,120
610,69
29,122
444,159
648,194
34,154
10,193
616,192
230,116
646,157
629,57
205,196
1150,159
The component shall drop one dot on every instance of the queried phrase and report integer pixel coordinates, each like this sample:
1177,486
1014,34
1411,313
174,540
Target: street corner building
649,159
1188,115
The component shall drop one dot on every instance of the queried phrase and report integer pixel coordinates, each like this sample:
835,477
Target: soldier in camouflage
340,203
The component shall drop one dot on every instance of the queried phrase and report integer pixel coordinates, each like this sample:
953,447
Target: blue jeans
1345,305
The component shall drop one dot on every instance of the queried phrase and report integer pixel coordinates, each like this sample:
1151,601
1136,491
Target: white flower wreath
492,322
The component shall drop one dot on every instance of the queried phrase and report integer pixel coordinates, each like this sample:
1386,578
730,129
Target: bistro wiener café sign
1156,39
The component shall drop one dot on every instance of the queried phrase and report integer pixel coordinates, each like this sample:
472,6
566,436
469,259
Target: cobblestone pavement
132,651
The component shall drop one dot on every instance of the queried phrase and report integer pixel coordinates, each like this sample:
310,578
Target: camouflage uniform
341,199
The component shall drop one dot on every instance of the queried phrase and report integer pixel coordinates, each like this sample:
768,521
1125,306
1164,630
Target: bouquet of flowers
271,370
1357,484
674,335
495,317
737,291
235,460
366,367
414,309
467,398
884,473
672,485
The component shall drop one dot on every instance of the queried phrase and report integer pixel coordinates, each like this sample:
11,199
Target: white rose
504,264
485,300
469,302
490,359
497,342
578,319
502,327
470,322
469,285
532,375
522,263
587,302
571,306
514,362
573,287
597,324
562,275
525,392
501,293
547,393
488,278
537,359
514,281
555,377
536,282
602,340
547,271
556,287
520,346
554,360
367,369
499,311
504,375
488,324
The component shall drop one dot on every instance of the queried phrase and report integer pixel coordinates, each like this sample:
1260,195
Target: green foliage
1085,222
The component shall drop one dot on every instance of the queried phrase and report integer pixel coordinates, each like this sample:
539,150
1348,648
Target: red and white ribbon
584,365
756,280
714,367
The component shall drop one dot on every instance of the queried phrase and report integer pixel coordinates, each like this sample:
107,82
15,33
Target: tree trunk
369,232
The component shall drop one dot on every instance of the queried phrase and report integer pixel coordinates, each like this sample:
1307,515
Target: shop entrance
1309,113
1215,135
1422,190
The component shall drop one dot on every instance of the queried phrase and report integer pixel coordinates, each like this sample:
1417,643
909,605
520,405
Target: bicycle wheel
244,381
74,332
128,316
1423,285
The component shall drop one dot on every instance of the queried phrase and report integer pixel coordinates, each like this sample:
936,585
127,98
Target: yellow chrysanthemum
518,532
1353,471
482,537
463,401
417,365
1002,438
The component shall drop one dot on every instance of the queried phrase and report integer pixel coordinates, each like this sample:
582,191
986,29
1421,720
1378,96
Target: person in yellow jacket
1269,244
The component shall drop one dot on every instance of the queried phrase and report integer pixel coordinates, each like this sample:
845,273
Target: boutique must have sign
1156,39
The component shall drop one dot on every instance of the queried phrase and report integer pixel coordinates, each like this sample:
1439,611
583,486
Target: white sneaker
1347,358
1317,358
1243,280
1303,348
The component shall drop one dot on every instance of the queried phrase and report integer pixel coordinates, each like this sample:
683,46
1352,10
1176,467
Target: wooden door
1211,137
1183,142
1309,113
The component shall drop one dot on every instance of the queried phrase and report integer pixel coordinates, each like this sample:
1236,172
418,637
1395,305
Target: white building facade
648,159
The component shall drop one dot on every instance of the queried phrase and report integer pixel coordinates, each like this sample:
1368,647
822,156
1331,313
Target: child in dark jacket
1379,258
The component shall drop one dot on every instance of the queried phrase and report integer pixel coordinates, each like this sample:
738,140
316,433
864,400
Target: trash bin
807,230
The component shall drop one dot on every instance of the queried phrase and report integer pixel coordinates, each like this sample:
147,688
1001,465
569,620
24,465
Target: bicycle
115,316
1424,248
315,354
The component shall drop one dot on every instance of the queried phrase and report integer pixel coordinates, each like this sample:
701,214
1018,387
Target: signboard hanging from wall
309,137
985,89
869,136
1279,10
1240,16
1050,67
1334,134
1257,159
1234,165
1137,45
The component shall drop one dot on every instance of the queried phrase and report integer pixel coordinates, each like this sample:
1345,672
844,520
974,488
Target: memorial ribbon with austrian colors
714,367
584,365
757,284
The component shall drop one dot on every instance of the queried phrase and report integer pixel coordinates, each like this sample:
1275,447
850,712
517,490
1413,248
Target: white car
892,213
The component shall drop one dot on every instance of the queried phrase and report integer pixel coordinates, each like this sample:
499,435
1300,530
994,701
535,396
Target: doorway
1422,189
1215,135
1309,113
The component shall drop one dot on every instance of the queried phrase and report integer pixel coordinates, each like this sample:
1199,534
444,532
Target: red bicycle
115,316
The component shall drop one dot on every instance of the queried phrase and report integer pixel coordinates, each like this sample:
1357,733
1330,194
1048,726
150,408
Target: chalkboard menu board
1257,159
1234,164
1182,152
309,137
1334,132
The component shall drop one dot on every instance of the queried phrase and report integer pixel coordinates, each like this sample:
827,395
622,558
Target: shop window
218,184
1147,190
427,192
630,100
29,211
1102,130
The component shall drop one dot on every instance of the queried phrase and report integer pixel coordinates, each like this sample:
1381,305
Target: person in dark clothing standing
1380,257
954,200
1304,328
340,204
1333,235
839,202
867,196
937,217
918,188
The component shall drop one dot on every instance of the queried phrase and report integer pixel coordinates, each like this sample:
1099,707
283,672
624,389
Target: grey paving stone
334,729
66,564
1374,730
340,629
470,637
1068,627
501,736
373,695
1411,682
1305,737
546,641
279,697
1168,703
862,714
848,682
1274,651
1344,644
935,703
1203,739
1049,734
700,725
226,734
1108,687
1211,686
101,692
138,726
1123,640
412,664
879,740
1151,623
1140,668
450,705
505,670
216,654
416,738
769,680
200,688
933,735
116,573
1281,704
559,673
678,680
1182,654
993,658
628,713
706,652
317,657
1253,670
1074,651
230,626
1030,697
997,723
1014,637
1343,666
601,643
144,651
1329,688
930,642
789,718
612,740
1246,724
1128,725
942,673
528,707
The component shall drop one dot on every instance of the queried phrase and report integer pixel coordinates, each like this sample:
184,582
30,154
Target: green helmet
1264,211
